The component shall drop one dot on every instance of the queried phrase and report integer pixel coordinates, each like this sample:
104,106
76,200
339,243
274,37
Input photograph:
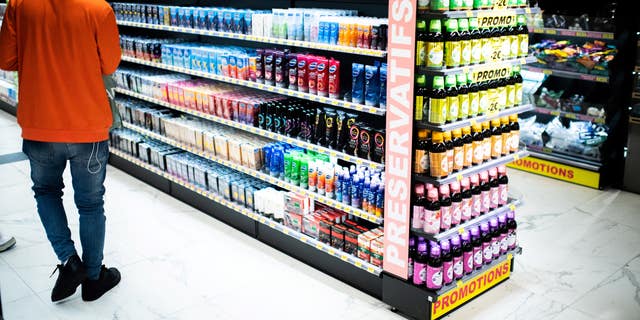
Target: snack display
590,57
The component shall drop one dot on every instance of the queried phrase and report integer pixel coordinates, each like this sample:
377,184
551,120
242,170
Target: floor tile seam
33,292
635,228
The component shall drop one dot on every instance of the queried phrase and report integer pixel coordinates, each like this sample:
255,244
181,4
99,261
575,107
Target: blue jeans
88,163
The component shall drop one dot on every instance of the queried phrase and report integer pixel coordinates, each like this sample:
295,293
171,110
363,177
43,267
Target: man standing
61,50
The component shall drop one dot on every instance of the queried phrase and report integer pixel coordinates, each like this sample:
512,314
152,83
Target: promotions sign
400,60
558,171
491,72
471,288
496,18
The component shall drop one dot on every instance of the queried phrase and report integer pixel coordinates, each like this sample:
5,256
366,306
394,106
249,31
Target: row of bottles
439,264
462,43
455,5
440,154
439,209
457,97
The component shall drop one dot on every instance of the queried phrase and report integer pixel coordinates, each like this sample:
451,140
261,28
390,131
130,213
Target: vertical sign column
400,59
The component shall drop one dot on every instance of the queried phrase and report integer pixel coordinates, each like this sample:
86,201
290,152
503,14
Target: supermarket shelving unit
389,282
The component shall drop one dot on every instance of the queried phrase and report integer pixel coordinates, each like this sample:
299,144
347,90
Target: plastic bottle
511,91
432,216
476,41
467,4
439,164
487,47
494,192
495,237
455,5
515,133
435,46
380,200
456,204
467,253
346,187
502,93
474,97
485,191
523,36
449,144
458,150
445,208
476,196
440,5
412,256
487,249
304,171
486,141
320,185
447,262
438,104
476,241
434,267
456,253
366,186
514,42
492,91
478,140
502,222
496,139
338,184
421,152
372,196
417,219
464,104
421,43
505,51
453,103
503,186
483,97
518,85
421,95
512,225
465,42
467,143
420,264
452,44
465,185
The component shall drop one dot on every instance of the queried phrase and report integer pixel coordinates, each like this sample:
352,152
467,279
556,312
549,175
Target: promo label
496,18
469,289
499,4
558,171
491,72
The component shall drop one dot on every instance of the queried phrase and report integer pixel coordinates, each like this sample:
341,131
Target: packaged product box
377,251
325,231
235,151
212,181
337,236
297,203
208,142
222,146
351,241
311,225
249,196
293,221
364,245
144,152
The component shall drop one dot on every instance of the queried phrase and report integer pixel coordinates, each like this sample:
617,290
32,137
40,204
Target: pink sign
400,59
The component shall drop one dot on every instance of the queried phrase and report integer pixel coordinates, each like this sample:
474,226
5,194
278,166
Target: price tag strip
260,175
254,130
259,86
246,212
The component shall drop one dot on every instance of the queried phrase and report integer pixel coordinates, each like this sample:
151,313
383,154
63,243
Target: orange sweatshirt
61,49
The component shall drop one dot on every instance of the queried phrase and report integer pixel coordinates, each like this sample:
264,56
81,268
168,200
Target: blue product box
173,11
202,18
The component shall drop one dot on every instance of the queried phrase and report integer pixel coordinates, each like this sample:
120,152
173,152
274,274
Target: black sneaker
70,276
94,289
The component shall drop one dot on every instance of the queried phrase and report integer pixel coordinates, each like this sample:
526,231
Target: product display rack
472,13
570,115
287,92
476,67
573,33
568,74
474,120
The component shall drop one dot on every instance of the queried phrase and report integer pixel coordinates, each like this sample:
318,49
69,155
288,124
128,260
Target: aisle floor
581,259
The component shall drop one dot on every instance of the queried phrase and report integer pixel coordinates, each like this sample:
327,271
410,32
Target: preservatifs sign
469,289
558,171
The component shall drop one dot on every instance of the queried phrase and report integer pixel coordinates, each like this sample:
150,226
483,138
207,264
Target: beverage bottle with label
421,42
412,256
421,153
456,253
477,4
453,103
458,150
476,242
476,196
496,45
438,104
478,146
485,40
512,226
518,85
515,133
465,185
514,41
503,186
502,93
502,227
449,144
420,264
476,41
465,42
467,142
467,4
486,141
467,252
505,44
483,96
417,220
523,36
511,91
496,139
445,207
492,94
447,262
474,97
456,204
506,134
423,4
434,267
495,237
464,104
434,57
452,44
432,214
494,192
440,5
487,248
421,95
485,193
455,5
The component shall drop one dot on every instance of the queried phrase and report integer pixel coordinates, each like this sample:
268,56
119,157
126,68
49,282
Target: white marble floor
581,259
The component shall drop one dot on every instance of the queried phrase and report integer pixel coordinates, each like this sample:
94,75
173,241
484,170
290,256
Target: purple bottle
512,226
487,250
476,241
502,227
456,252
495,238
412,254
447,262
420,264
467,253
434,267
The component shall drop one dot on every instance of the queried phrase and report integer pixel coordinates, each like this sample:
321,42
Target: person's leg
48,161
88,163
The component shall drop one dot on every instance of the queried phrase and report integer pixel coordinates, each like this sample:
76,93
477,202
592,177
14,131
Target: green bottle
295,169
435,45
467,4
421,42
523,36
453,102
439,5
463,96
421,91
304,171
455,5
438,102
287,166
474,97
476,41
465,42
452,44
